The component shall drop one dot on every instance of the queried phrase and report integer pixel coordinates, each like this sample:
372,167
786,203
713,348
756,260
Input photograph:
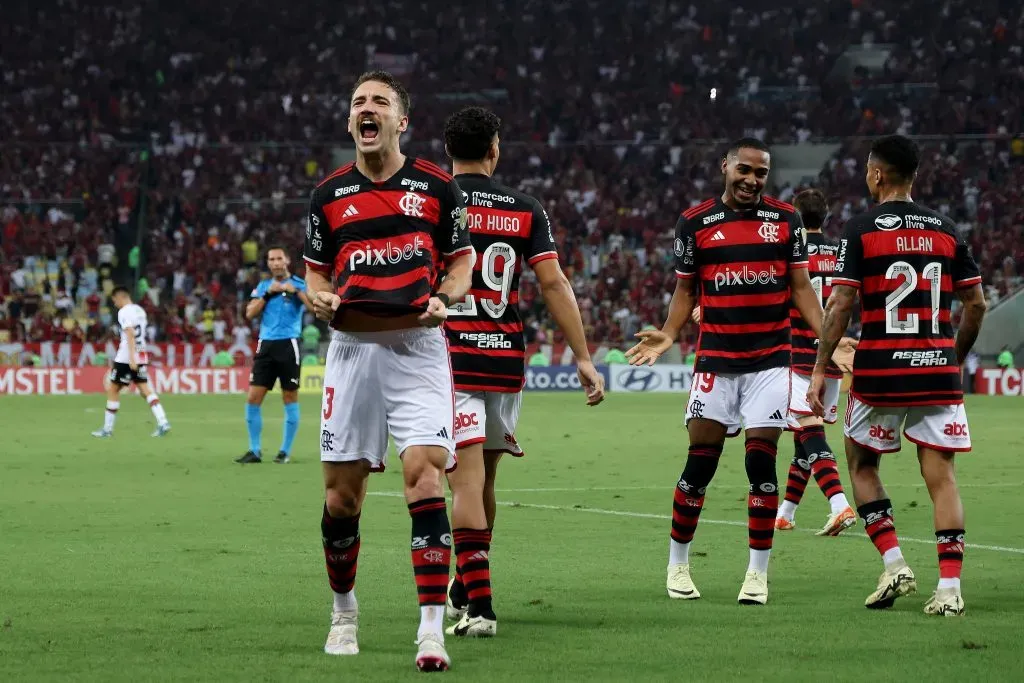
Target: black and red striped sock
472,557
341,550
431,549
950,544
821,459
688,497
799,473
880,528
763,498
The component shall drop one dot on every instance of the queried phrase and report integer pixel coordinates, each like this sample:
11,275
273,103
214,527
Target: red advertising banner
93,380
79,355
999,381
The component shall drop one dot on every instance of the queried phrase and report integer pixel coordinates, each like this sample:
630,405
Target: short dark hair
813,208
468,133
390,81
120,289
746,143
898,152
278,247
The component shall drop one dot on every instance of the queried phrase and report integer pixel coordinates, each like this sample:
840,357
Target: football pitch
139,559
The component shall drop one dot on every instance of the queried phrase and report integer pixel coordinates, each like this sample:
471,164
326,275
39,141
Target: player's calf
341,542
762,500
687,503
796,483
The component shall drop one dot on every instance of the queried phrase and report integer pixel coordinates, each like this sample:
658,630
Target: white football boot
431,655
474,627
945,602
679,584
895,582
341,640
754,590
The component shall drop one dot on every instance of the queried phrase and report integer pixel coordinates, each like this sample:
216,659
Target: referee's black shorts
276,359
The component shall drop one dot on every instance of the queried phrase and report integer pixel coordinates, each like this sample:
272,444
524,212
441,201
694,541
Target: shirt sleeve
452,236
259,290
965,268
319,250
685,248
848,262
797,242
542,240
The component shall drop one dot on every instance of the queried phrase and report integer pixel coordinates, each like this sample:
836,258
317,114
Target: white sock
949,583
759,560
431,620
893,557
110,415
678,553
838,503
787,510
158,410
346,602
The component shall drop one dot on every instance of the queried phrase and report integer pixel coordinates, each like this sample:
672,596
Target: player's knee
699,471
342,503
760,468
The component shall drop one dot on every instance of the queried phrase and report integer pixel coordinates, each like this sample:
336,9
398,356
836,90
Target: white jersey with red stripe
485,331
132,317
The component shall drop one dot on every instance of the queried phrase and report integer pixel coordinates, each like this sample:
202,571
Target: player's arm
653,343
256,304
967,280
452,236
834,322
319,257
805,299
299,287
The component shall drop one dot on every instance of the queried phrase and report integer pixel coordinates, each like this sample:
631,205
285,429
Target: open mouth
368,130
745,193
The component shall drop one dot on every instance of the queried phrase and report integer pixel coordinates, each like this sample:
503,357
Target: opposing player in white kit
130,365
378,229
509,231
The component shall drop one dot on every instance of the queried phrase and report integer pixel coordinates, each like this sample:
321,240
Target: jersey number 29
500,283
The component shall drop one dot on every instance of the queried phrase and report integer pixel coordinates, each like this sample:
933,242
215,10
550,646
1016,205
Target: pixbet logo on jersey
747,276
389,254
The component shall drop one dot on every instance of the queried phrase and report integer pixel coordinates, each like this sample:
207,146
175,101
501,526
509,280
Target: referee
281,300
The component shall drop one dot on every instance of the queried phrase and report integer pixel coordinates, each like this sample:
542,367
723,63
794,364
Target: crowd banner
94,380
999,381
556,377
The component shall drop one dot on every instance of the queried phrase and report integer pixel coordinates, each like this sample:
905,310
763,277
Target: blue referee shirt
282,316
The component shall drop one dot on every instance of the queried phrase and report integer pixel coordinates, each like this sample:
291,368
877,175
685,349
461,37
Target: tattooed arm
834,322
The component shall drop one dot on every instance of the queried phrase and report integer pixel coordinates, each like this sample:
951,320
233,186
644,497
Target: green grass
139,559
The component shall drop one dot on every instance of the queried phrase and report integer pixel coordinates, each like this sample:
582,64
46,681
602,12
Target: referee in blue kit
281,300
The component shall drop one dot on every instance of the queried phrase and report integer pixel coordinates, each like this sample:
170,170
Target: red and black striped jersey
907,261
821,263
741,260
485,331
383,242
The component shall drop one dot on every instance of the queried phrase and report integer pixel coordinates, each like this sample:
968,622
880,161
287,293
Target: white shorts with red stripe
877,428
798,406
752,399
488,417
378,383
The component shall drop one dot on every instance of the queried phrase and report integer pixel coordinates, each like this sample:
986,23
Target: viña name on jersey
485,330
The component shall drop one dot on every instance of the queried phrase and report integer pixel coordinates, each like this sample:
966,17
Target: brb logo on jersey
411,204
389,254
747,276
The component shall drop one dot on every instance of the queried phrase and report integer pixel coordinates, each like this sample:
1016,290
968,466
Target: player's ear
725,164
403,123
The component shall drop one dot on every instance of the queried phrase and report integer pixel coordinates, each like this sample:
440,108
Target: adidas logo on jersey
443,433
350,211
718,236
777,415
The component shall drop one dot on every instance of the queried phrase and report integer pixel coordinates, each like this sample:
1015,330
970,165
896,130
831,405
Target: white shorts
798,399
488,417
877,429
376,383
753,399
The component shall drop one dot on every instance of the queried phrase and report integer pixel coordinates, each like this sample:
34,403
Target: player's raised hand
816,393
652,344
274,288
288,288
435,314
592,382
325,304
695,315
843,355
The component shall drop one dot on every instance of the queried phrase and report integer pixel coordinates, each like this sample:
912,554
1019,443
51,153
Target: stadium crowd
202,130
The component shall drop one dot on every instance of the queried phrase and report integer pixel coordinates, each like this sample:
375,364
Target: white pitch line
704,520
663,487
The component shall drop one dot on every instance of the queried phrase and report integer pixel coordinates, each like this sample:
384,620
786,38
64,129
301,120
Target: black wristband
445,299
268,296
